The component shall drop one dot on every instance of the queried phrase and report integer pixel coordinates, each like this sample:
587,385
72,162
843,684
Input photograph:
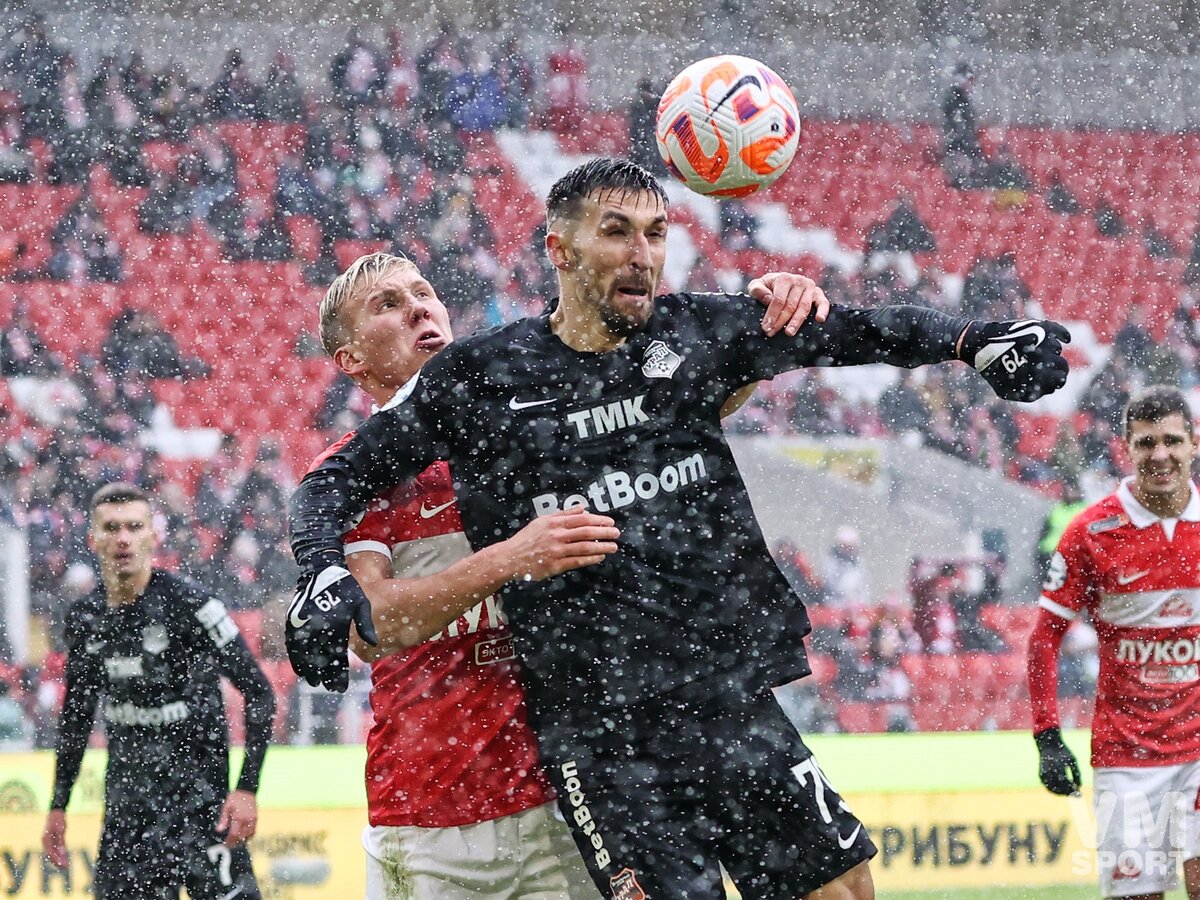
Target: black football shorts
659,795
148,858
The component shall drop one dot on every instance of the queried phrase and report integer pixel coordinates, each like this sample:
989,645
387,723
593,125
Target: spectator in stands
22,352
212,167
442,150
1014,293
82,247
566,87
889,683
1066,508
175,106
982,444
981,291
137,344
358,74
1158,244
16,731
233,95
281,99
1108,219
167,207
643,115
902,408
34,67
73,149
296,191
475,101
16,162
904,231
1008,178
1133,341
962,155
1109,391
738,225
402,80
516,81
855,665
931,584
219,485
1059,198
262,235
843,571
116,124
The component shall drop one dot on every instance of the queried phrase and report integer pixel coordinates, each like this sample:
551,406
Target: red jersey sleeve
370,532
1070,583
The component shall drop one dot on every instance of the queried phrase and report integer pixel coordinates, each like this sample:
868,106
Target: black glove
1020,360
1057,766
318,625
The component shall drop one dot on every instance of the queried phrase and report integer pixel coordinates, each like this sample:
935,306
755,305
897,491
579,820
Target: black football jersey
530,425
152,668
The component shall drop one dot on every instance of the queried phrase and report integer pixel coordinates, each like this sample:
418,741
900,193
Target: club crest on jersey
154,638
1056,573
625,886
1112,522
660,361
1176,607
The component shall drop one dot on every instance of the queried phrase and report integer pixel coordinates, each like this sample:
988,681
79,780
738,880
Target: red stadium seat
862,718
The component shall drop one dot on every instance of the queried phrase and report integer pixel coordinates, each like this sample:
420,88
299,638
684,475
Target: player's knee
853,885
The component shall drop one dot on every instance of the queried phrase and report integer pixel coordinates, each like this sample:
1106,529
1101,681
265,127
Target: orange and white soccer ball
727,126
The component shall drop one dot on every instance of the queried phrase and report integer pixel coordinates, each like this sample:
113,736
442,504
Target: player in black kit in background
152,647
649,675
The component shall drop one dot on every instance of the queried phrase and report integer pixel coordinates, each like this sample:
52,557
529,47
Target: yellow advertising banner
1025,838
298,855
931,833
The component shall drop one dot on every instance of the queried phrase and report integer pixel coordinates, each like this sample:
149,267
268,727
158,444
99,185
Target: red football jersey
1138,576
450,744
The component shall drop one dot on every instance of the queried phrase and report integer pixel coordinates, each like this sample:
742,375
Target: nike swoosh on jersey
1130,579
515,404
845,842
427,513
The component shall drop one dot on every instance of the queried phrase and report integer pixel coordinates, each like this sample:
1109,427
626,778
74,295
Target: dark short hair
605,173
119,492
1155,403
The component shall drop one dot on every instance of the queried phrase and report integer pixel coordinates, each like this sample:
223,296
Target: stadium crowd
382,160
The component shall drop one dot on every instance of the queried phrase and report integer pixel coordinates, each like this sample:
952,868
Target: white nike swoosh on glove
325,579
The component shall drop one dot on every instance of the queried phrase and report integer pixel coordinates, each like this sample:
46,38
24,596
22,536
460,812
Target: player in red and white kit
458,805
1132,562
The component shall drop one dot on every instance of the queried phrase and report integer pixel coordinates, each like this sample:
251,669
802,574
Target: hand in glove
318,625
1020,360
1057,768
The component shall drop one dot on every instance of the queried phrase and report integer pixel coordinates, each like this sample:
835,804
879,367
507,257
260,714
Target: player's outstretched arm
407,611
1021,360
392,445
1057,767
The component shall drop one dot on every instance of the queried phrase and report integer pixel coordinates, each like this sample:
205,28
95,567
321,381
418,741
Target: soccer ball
727,126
